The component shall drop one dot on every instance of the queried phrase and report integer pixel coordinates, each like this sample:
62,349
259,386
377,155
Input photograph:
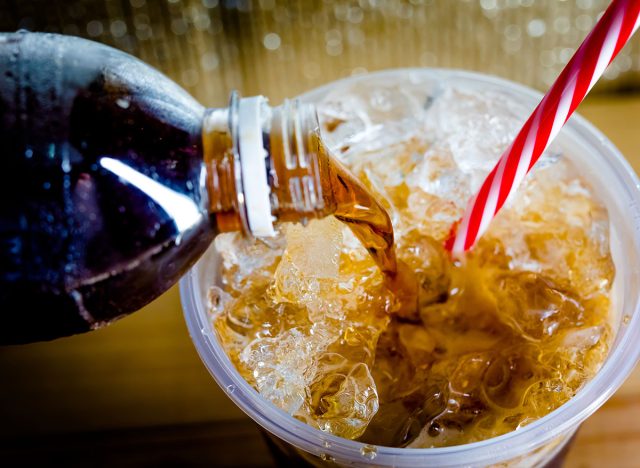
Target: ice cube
535,305
281,366
343,396
243,258
584,338
315,250
476,128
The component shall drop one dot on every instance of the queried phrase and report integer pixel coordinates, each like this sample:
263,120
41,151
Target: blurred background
281,48
136,393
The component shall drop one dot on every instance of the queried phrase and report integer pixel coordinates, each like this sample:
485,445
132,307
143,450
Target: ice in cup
515,331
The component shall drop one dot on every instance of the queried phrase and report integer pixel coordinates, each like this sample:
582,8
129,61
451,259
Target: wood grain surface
136,393
611,437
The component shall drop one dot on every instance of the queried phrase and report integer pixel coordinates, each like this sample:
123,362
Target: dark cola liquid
101,200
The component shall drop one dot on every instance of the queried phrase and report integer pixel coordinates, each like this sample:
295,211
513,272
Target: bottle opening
262,164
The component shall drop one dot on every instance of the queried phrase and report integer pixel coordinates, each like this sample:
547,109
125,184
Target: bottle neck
263,164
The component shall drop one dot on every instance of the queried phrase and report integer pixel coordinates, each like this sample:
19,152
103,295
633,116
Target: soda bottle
114,181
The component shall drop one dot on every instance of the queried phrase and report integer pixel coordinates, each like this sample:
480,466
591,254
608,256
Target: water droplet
124,103
626,319
369,451
434,430
231,388
327,444
203,331
325,457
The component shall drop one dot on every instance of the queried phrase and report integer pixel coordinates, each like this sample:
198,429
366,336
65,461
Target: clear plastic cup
616,185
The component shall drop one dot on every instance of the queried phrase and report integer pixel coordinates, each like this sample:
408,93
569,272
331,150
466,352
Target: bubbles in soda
497,341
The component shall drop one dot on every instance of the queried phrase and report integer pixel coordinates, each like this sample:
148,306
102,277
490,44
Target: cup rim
618,365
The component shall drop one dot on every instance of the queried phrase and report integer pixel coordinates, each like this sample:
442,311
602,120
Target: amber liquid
490,346
424,352
219,159
348,200
356,206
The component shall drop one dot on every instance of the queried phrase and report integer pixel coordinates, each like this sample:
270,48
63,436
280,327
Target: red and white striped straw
610,34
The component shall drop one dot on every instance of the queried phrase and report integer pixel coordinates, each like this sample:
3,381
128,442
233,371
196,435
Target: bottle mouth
263,163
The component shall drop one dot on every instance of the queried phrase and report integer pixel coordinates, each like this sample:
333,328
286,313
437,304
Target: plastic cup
616,185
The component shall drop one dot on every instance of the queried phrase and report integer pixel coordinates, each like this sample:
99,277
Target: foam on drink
498,340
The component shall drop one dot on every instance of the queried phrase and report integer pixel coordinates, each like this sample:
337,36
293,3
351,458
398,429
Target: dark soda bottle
114,181
79,244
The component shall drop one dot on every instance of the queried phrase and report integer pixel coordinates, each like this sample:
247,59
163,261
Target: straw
610,34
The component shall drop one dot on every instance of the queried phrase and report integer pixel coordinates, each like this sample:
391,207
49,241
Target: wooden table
137,394
611,437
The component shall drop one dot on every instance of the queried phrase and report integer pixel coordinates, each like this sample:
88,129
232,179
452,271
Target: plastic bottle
114,181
